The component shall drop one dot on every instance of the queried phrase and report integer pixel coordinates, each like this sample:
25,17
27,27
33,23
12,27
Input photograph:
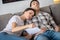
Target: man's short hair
32,1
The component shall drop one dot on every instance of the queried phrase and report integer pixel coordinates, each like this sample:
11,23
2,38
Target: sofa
53,10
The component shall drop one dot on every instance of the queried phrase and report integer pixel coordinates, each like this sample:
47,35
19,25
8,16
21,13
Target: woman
16,25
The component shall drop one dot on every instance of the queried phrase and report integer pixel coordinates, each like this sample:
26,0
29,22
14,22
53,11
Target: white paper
32,30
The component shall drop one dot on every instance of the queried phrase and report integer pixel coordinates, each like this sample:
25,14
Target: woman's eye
33,4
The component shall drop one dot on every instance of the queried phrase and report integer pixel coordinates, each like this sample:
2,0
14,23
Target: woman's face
35,5
29,14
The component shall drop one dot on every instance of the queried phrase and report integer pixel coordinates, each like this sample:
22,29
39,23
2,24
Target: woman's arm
16,28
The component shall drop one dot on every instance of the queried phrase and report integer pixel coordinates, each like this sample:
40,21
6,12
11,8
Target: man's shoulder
44,13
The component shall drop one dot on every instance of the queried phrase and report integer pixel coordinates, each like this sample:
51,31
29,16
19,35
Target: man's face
35,5
29,14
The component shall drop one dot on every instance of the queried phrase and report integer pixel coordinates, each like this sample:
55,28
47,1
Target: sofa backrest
45,9
4,20
55,11
18,13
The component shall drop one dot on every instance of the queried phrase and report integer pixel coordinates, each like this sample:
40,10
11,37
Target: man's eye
30,13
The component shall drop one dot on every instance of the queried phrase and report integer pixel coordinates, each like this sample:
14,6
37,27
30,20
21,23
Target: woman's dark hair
32,1
30,9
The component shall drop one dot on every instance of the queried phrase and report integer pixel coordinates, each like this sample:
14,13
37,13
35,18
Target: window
56,1
8,1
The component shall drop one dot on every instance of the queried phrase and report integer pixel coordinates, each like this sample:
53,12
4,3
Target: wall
20,6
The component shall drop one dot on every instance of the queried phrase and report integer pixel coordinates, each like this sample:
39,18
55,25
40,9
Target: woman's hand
31,25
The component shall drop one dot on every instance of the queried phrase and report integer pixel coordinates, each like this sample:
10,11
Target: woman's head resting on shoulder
29,13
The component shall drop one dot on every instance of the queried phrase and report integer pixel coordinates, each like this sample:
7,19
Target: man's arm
52,22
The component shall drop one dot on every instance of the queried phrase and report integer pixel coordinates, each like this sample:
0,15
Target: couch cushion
4,20
56,12
45,9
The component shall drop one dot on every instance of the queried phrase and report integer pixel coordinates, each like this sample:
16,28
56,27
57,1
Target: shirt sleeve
13,19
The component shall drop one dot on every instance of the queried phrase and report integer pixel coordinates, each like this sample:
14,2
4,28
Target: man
45,23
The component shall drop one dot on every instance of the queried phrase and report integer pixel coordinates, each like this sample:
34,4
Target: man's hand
57,28
42,30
